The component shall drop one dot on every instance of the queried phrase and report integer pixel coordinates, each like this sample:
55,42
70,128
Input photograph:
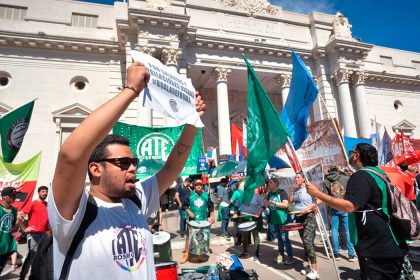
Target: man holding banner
380,253
117,244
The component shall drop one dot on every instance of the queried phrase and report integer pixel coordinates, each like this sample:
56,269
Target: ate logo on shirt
6,223
129,247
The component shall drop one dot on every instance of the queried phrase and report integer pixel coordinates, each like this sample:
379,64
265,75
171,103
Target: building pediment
74,113
4,108
252,6
405,126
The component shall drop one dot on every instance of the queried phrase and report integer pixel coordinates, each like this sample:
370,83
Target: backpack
42,266
337,189
404,216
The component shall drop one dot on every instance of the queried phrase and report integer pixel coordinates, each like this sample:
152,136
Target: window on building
79,84
416,65
12,12
85,21
386,60
4,79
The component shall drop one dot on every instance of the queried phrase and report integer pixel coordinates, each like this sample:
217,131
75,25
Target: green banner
265,133
21,176
152,145
13,127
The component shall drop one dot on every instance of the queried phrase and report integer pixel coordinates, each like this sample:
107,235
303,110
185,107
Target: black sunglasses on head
122,162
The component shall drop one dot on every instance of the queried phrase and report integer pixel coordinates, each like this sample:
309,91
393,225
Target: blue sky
388,23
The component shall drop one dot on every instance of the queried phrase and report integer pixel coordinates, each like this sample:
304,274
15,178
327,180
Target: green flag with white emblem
152,145
13,127
266,133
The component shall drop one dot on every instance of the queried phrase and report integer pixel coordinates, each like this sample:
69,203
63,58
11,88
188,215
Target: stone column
223,116
284,81
361,104
144,114
342,79
170,57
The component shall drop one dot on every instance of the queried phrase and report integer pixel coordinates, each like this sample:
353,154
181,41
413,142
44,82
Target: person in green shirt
277,201
199,207
8,220
237,198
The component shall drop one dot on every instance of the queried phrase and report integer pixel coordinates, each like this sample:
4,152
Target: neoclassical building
72,56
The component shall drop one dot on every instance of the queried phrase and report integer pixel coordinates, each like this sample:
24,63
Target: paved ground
266,268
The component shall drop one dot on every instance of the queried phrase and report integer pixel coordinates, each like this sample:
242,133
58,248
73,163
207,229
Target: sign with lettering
168,92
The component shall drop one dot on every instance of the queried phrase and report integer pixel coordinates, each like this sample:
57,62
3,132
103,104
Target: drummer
250,212
303,203
277,202
199,207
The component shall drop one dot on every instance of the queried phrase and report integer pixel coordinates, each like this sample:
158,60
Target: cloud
306,6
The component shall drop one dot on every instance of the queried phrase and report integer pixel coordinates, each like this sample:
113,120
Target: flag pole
335,125
321,225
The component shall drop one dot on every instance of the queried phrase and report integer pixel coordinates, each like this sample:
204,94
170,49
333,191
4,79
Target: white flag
167,92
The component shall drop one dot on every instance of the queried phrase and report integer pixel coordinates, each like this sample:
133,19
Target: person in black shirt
181,196
380,254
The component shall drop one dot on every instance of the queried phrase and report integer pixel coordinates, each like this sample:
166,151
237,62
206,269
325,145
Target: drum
247,226
166,271
292,226
198,238
162,247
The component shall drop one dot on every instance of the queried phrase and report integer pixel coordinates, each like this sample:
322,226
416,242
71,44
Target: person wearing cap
37,228
117,244
277,201
182,194
334,180
199,207
9,219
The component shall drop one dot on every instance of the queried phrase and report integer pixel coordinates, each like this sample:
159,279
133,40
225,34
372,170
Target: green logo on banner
155,146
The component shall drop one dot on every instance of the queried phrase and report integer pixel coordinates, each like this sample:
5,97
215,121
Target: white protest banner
287,179
168,92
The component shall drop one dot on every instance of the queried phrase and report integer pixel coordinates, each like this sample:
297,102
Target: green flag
152,145
13,127
266,133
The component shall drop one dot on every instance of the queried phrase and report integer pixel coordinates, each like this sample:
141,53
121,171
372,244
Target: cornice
248,47
391,78
58,43
337,45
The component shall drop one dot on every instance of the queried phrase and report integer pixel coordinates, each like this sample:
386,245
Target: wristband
137,92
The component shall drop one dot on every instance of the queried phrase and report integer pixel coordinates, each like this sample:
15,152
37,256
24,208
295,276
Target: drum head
247,226
199,224
161,237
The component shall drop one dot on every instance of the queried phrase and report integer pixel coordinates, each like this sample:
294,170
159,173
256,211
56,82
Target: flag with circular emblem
13,127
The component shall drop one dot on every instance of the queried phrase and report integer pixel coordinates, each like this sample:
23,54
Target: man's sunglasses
352,152
122,162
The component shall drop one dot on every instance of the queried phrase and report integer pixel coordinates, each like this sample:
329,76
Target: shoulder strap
88,218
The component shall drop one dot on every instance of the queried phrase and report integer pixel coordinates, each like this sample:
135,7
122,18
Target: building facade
72,56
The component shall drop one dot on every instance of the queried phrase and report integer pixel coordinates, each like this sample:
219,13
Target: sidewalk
266,268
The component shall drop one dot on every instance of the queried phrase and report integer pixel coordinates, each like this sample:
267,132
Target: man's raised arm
72,162
179,155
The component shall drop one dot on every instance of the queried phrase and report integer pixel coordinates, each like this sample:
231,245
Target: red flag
401,180
237,141
290,152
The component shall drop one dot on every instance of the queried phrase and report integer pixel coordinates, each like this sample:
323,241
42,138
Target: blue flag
385,150
302,94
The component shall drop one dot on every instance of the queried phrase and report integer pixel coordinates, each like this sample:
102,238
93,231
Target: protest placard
168,92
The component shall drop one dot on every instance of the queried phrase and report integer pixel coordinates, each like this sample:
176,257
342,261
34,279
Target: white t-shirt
118,243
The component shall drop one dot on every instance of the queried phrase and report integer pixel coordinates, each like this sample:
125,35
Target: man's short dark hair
275,180
223,181
188,179
101,150
42,188
368,154
403,166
